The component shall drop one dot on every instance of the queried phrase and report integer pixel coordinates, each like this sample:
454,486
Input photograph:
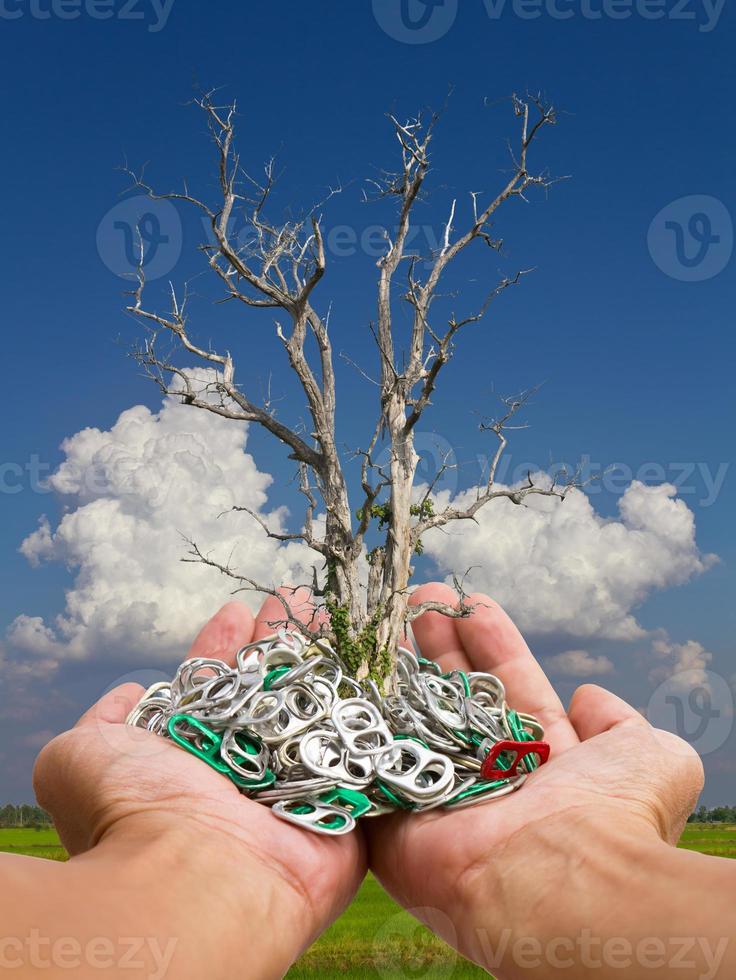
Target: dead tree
363,586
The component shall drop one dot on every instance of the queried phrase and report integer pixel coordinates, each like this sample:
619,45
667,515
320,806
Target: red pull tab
490,772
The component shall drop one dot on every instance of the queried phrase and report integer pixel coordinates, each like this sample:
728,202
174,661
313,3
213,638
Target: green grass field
718,840
36,843
374,939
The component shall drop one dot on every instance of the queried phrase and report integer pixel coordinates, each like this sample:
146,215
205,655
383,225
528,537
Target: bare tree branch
277,266
249,585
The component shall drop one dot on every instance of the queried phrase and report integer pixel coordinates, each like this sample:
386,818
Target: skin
195,860
586,844
169,850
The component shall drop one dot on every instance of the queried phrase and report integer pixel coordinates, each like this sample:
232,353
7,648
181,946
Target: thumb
74,772
654,772
113,707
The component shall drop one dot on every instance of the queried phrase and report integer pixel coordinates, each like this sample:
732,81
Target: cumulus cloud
14,671
131,495
563,568
579,663
688,661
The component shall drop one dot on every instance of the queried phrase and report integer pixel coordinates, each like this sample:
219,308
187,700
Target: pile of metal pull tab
291,729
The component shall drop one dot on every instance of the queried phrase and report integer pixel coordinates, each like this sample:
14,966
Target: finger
275,612
436,634
659,774
114,707
493,643
71,770
594,710
228,630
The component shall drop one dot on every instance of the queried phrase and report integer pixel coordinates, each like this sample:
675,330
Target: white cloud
14,670
689,661
563,568
130,493
579,663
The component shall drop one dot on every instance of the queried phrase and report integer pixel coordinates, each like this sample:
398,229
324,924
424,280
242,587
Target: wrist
584,895
184,885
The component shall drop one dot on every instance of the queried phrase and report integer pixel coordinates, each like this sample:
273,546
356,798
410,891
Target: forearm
607,903
148,902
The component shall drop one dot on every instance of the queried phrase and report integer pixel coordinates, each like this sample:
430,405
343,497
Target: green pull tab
521,735
394,798
349,799
273,675
210,750
247,744
451,674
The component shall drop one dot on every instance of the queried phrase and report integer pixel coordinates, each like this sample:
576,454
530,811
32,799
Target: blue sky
636,360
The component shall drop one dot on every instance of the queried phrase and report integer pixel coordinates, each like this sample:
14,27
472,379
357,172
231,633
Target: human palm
104,778
470,873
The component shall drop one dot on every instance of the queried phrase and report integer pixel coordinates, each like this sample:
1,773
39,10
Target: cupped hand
106,782
532,862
